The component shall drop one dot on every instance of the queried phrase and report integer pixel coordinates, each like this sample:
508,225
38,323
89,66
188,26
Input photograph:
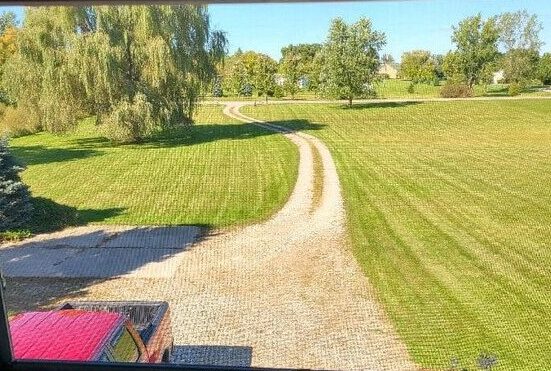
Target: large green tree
249,70
265,69
235,74
520,41
298,62
351,59
476,50
291,70
136,68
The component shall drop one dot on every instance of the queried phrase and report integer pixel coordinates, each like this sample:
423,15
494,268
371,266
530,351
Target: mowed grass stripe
217,173
449,209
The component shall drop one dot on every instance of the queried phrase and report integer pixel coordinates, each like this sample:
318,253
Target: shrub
14,236
544,69
514,89
456,91
411,88
129,122
15,198
17,121
278,92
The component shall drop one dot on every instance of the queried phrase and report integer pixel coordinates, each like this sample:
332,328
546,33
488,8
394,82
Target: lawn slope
217,173
449,209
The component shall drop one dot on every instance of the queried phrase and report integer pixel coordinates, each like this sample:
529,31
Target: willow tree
137,68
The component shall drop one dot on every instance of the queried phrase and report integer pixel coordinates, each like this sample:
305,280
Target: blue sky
415,24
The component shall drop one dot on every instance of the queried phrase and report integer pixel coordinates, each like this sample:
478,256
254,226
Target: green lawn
449,209
398,89
217,173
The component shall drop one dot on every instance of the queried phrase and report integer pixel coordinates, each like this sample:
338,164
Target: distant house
389,70
303,82
498,77
279,79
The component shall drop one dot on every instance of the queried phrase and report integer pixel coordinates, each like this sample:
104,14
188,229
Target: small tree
264,75
15,198
7,20
7,36
290,66
544,69
351,59
419,66
387,59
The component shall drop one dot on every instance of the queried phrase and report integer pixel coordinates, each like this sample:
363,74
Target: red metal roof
62,335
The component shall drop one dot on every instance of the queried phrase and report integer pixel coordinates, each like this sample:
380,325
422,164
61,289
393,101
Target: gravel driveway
283,293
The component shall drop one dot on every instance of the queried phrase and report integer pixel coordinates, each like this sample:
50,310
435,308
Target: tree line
139,69
346,65
509,43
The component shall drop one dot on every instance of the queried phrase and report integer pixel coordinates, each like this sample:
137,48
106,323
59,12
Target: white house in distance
279,79
498,77
388,69
302,82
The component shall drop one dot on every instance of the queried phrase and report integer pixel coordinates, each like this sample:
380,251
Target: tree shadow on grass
49,216
92,142
173,137
496,91
366,105
200,134
39,154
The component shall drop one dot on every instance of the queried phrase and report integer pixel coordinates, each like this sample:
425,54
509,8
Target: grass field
398,89
449,209
217,173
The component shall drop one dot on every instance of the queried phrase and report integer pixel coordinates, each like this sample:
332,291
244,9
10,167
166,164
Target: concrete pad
34,261
73,237
100,252
105,263
89,262
155,237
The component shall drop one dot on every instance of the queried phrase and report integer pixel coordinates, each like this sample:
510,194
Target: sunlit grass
217,173
398,89
449,210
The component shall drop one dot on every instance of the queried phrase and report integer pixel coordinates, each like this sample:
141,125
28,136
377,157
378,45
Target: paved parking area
100,252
